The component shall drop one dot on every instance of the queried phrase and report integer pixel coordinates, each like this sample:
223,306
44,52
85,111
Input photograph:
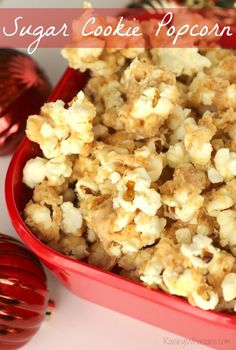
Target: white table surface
78,324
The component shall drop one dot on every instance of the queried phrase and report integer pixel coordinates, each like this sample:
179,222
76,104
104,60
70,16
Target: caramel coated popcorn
138,172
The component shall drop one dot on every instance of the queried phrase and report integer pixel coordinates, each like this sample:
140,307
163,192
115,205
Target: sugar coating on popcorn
138,171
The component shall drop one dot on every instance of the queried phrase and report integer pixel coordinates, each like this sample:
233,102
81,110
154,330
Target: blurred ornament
154,4
198,3
226,3
51,309
209,3
23,89
23,294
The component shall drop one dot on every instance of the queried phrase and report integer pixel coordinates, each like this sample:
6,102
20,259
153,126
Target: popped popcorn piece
181,61
152,272
183,235
72,220
177,117
99,60
149,226
149,103
225,163
61,131
73,246
153,162
84,58
130,240
181,284
55,170
39,219
213,176
206,302
151,97
199,252
182,193
227,222
123,218
216,93
91,236
177,157
229,287
197,144
223,66
44,224
134,193
219,200
99,257
34,172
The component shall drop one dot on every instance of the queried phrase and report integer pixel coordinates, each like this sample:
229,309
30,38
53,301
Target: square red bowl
174,314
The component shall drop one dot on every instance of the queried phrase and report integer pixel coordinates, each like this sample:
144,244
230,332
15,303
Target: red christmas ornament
23,294
23,89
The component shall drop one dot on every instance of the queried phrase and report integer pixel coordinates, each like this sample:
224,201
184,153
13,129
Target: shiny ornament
23,89
23,294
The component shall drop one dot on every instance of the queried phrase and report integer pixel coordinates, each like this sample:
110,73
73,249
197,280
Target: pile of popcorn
138,173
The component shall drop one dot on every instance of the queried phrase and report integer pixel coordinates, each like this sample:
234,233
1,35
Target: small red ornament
23,294
23,89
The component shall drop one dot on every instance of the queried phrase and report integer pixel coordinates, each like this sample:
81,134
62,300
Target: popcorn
213,176
73,246
177,156
227,222
225,163
196,251
56,170
34,172
197,144
38,217
213,92
146,104
206,303
61,131
185,199
149,226
220,200
134,193
152,273
152,96
83,58
181,61
98,257
43,214
71,219
180,284
91,236
229,287
123,218
183,235
138,172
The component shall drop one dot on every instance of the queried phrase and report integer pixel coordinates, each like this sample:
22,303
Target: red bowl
174,314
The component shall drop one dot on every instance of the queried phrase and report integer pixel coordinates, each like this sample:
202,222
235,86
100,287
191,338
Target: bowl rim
53,257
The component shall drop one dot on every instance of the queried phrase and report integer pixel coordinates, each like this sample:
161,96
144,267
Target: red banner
117,28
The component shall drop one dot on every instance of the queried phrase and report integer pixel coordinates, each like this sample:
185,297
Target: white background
77,324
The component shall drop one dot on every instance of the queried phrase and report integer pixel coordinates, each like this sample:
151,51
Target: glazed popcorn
137,173
56,170
61,131
190,63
